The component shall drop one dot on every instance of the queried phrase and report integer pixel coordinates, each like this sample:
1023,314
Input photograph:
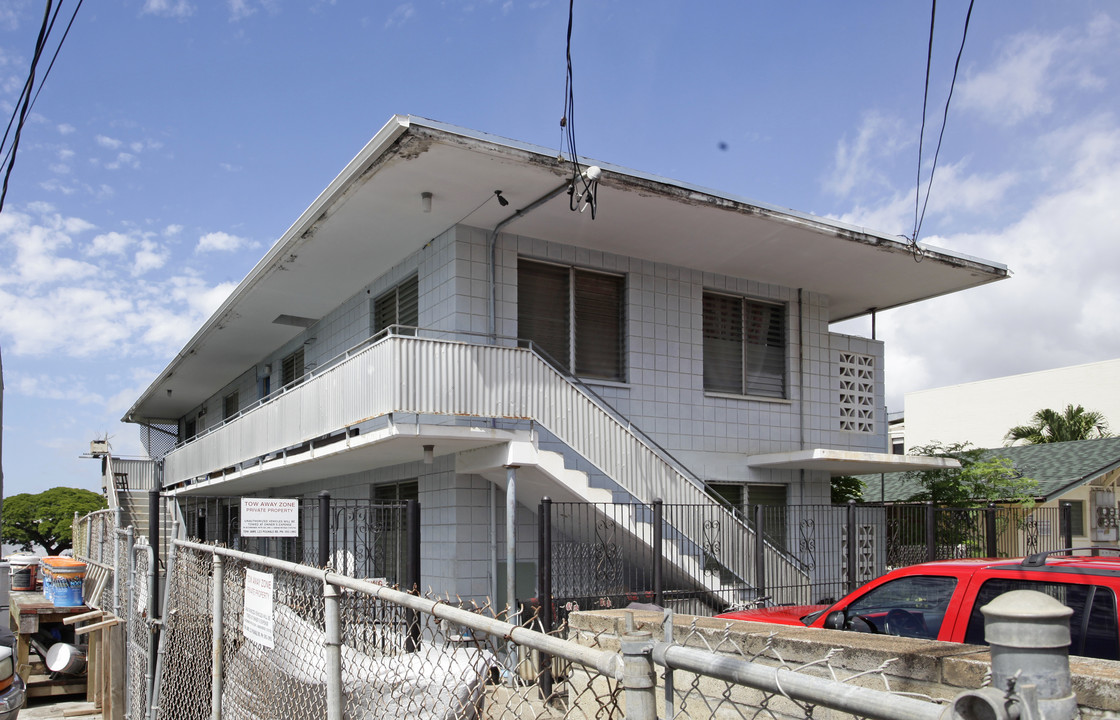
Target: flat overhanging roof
845,462
370,218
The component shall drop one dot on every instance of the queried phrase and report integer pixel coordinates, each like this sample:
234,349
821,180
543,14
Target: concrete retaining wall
926,667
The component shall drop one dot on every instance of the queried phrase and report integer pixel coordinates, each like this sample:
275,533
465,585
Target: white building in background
440,322
982,412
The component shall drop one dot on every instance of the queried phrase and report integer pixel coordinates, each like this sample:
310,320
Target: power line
26,99
588,182
919,218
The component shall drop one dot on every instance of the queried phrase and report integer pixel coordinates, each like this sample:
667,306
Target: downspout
493,241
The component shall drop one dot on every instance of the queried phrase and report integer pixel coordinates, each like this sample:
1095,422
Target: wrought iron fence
362,538
601,556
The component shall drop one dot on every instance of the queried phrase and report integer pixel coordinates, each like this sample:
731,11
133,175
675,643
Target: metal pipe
493,241
157,625
861,701
638,680
324,528
332,648
544,592
931,532
412,581
851,533
658,552
759,553
511,543
607,663
216,670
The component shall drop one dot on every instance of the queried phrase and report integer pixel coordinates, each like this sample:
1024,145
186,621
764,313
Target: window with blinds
230,405
573,315
744,346
291,368
399,306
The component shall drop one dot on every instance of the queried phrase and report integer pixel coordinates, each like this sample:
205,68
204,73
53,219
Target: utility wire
26,100
920,218
587,187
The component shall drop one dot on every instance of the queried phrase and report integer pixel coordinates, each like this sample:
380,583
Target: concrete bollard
1029,636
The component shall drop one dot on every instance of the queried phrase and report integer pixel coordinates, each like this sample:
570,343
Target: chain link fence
249,636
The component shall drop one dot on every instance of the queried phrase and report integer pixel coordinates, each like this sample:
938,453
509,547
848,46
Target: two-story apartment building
450,317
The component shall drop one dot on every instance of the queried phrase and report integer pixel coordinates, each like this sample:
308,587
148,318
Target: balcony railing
435,377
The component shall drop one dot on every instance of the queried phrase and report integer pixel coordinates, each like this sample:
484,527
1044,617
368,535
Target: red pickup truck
942,600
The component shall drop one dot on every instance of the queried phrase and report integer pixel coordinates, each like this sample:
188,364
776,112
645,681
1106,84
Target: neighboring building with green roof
1083,473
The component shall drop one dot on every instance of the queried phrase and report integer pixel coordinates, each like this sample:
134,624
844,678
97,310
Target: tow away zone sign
257,620
269,517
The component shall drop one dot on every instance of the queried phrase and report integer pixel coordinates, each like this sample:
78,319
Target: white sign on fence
256,621
269,517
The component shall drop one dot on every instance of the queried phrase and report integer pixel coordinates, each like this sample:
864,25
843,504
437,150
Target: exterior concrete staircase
687,558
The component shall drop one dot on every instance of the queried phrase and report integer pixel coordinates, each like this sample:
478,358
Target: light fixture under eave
429,454
426,201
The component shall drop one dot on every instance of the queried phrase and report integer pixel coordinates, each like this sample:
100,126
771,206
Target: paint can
65,658
67,578
24,570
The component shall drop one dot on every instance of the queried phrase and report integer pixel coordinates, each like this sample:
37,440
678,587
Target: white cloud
66,129
108,142
52,303
168,8
1054,311
52,387
172,230
1034,72
855,166
111,243
1017,86
401,14
149,257
220,242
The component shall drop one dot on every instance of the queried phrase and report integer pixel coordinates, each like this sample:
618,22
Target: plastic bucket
66,581
24,569
65,658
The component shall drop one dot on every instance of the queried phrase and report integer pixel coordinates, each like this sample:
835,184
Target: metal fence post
658,552
851,538
332,649
1029,636
638,680
1067,524
325,529
759,553
990,530
412,581
216,672
931,532
544,591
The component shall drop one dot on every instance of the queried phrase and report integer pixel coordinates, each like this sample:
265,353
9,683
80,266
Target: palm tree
1048,426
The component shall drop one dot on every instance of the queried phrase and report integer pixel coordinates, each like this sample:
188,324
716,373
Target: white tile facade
663,393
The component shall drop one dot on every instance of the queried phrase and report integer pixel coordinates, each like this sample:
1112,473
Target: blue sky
176,140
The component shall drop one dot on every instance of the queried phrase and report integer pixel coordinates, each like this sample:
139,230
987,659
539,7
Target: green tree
979,479
45,519
1047,426
845,488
